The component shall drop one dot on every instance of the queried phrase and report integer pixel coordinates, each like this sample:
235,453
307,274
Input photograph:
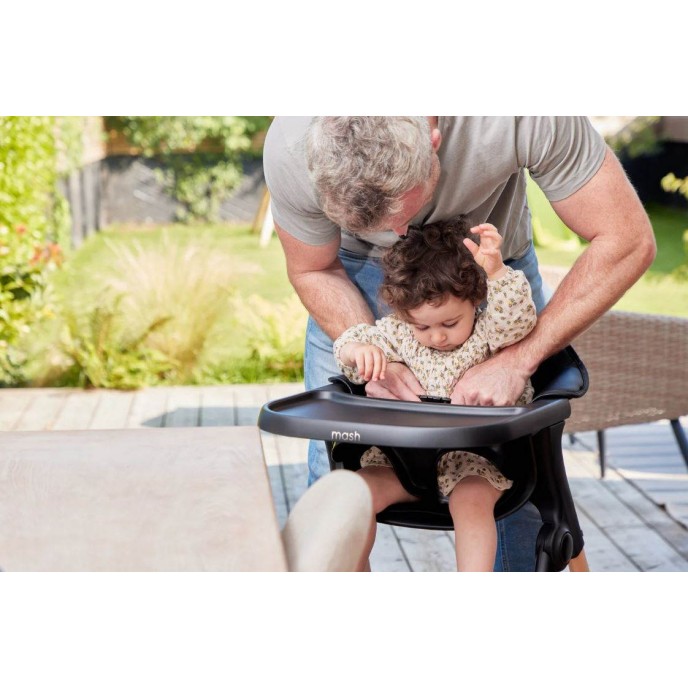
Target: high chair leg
579,564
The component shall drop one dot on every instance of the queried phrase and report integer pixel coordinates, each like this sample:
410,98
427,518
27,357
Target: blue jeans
517,533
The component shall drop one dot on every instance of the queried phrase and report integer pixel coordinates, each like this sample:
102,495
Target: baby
435,279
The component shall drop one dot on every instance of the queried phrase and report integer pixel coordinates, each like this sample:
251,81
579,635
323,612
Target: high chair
524,443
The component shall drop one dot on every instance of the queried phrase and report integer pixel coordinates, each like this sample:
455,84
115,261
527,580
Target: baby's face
443,326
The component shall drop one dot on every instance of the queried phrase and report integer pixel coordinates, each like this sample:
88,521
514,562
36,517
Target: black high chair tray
329,414
524,442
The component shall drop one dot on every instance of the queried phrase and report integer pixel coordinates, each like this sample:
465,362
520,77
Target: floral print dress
509,317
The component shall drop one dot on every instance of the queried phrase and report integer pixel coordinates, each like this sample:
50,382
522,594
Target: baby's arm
510,313
362,353
488,254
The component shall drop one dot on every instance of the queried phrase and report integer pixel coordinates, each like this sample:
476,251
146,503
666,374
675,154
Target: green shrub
549,231
638,137
673,184
99,349
274,334
33,216
201,155
157,306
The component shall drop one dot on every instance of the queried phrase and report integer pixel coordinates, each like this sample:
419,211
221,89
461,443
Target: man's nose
401,230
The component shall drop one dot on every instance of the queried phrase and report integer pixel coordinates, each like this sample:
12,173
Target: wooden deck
636,519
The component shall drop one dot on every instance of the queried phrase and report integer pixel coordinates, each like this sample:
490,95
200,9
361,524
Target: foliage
32,216
548,229
672,184
100,350
201,156
274,333
639,137
157,307
69,133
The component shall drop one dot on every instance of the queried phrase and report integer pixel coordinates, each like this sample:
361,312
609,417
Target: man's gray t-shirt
482,163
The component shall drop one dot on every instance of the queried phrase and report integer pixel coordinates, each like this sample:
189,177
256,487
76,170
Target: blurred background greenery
130,251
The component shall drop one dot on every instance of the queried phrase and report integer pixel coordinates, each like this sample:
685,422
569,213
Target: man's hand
495,382
399,383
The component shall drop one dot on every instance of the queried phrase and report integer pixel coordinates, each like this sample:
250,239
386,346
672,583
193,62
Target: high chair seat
524,443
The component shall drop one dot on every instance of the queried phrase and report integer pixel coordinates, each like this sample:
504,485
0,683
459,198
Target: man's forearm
332,300
608,213
598,279
319,278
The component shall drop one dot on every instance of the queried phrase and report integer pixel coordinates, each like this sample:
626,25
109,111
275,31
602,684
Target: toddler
435,279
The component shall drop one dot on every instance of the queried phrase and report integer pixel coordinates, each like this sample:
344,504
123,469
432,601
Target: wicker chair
638,367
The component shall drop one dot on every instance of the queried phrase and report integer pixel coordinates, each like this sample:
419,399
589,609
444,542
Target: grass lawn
263,270
257,326
266,276
657,291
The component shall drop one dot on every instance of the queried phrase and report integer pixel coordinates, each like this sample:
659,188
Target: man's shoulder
284,140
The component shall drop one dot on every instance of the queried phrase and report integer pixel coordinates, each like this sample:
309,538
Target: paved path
636,519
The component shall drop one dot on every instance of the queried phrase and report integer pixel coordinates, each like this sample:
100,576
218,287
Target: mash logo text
345,436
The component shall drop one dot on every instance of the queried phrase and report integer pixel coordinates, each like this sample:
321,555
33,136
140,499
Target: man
344,188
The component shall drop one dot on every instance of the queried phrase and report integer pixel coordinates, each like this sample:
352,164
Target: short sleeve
292,198
561,153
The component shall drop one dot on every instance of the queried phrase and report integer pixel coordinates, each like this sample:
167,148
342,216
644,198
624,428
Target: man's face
413,202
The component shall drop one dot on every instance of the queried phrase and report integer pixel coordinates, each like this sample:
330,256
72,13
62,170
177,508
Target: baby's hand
488,255
369,360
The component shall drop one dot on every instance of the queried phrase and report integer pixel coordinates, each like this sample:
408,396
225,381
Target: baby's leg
386,489
471,504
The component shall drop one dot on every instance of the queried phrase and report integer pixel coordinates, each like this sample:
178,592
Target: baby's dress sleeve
510,313
364,334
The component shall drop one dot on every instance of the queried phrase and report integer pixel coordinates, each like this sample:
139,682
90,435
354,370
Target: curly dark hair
429,264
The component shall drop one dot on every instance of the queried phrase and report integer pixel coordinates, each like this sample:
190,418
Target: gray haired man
345,188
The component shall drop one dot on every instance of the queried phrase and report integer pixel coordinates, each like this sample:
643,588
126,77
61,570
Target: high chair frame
524,442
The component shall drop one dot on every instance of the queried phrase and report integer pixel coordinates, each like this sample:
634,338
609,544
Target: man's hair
360,166
429,264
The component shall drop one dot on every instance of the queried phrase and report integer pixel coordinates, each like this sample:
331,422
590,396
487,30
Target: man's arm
319,279
606,212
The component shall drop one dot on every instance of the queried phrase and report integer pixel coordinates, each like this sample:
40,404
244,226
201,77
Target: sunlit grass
225,306
658,291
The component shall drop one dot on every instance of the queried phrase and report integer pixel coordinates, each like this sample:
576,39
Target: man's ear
436,139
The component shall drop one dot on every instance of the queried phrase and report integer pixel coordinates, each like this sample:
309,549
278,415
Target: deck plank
602,554
248,400
13,403
632,520
387,554
275,473
77,411
148,408
43,410
630,493
639,542
427,550
183,408
217,406
113,410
